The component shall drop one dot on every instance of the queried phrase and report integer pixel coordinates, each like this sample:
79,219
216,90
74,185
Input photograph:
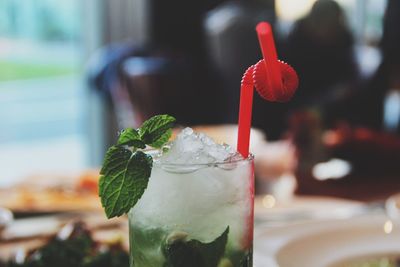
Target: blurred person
320,48
368,106
233,47
169,73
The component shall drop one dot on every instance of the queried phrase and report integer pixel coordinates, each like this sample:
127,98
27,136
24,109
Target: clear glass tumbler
195,215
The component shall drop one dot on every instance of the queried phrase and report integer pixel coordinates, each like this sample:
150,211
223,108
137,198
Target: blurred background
73,73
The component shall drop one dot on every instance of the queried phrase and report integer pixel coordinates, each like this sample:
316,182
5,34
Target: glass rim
249,158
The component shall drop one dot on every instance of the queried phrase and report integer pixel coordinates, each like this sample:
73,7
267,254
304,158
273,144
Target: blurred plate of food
46,193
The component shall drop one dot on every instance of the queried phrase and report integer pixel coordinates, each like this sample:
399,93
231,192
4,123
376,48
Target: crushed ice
196,148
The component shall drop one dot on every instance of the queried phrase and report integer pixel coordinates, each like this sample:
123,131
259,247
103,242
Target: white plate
304,208
324,243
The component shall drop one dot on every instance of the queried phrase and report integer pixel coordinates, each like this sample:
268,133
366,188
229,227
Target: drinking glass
195,215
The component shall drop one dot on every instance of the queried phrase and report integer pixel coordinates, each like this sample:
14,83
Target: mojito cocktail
197,209
190,202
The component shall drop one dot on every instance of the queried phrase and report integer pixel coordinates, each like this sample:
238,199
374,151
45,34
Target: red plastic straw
245,110
267,44
277,83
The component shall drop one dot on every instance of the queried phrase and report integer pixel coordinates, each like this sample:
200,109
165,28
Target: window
42,95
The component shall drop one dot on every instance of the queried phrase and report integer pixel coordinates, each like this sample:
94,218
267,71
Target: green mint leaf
181,253
123,179
130,137
153,131
162,140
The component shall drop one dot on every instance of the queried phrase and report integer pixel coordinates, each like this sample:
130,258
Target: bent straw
267,44
271,79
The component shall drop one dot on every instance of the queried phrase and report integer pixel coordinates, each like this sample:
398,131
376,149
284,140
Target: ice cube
196,148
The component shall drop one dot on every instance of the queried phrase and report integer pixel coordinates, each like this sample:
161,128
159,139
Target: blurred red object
368,150
344,135
373,157
88,182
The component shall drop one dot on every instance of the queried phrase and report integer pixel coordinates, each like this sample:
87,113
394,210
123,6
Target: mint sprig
126,169
162,139
155,128
182,253
131,137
